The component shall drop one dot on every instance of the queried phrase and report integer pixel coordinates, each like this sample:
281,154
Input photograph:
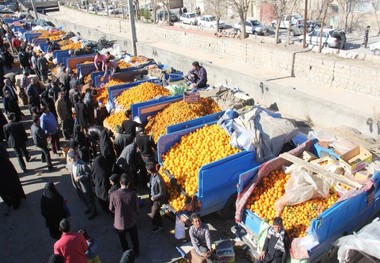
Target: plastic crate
191,97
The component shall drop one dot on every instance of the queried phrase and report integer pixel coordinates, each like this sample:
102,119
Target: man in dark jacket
16,137
157,196
42,65
33,91
276,244
23,57
121,140
40,140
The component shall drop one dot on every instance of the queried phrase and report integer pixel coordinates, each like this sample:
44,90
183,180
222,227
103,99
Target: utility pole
34,9
133,27
305,26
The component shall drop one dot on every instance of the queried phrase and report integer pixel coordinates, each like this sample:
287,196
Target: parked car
189,18
293,20
252,26
375,48
311,25
163,14
210,22
333,38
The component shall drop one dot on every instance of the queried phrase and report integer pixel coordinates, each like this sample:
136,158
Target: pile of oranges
296,219
205,145
102,93
143,92
114,119
178,112
122,64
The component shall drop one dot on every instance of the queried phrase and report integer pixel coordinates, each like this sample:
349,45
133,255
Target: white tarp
367,240
258,129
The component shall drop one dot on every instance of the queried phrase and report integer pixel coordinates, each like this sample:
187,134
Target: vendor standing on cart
276,244
112,66
99,61
197,76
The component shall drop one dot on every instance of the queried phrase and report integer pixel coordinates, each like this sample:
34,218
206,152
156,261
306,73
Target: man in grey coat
81,179
40,140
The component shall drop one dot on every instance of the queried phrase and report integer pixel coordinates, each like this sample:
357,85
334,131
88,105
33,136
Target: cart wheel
229,209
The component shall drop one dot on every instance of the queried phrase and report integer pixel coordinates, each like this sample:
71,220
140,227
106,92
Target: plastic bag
176,89
366,240
342,145
303,186
180,231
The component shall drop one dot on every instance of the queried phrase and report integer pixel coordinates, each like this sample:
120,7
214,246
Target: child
92,252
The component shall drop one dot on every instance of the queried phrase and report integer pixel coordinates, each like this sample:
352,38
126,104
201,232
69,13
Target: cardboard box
362,175
356,159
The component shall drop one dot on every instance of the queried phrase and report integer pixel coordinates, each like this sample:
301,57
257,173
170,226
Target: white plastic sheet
302,186
367,240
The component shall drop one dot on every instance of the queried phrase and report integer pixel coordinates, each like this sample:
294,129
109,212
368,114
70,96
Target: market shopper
11,190
33,91
121,140
129,125
64,115
92,253
101,113
157,196
81,179
106,147
72,246
100,173
83,144
43,67
276,244
15,135
11,105
198,76
40,140
124,204
33,60
145,146
53,209
50,125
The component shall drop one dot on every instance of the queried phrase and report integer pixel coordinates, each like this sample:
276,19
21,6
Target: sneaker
157,228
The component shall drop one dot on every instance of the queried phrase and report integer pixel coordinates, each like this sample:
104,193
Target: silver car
252,26
333,38
189,18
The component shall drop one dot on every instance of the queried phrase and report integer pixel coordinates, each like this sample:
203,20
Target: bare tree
347,7
241,7
216,8
324,10
279,7
295,2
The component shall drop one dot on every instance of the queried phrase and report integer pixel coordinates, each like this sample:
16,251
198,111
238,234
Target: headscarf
100,173
50,192
106,147
52,204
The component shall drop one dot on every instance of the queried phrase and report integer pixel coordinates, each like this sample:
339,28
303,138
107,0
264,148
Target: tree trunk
277,32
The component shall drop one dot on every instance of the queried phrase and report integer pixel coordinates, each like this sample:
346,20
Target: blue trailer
338,220
217,180
148,108
116,90
60,55
30,36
